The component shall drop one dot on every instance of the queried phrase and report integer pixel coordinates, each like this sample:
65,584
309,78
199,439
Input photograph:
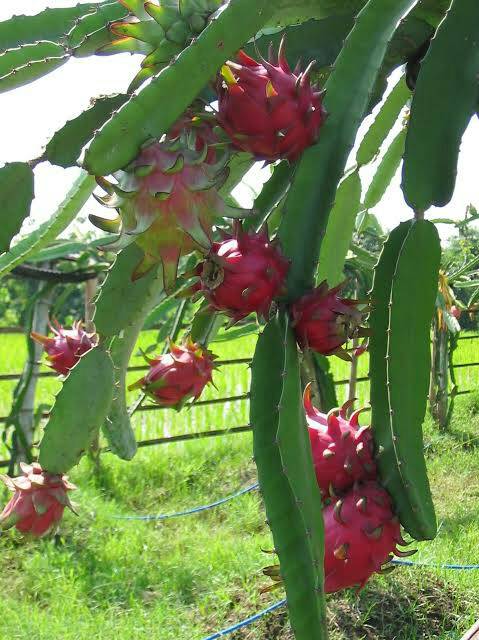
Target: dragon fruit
67,345
243,273
177,376
168,197
324,322
267,109
342,451
38,501
361,534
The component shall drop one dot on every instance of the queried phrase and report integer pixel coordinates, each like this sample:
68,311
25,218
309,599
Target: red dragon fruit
361,534
342,450
38,501
324,322
177,376
66,346
168,197
243,273
267,109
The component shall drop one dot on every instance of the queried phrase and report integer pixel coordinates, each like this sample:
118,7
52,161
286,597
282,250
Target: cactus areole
177,376
38,501
243,273
67,345
267,109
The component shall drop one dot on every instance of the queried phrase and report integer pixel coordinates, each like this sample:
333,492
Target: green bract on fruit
168,197
38,501
66,346
324,322
342,450
267,109
243,273
177,376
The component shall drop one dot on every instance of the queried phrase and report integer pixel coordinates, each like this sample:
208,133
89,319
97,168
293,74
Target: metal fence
210,432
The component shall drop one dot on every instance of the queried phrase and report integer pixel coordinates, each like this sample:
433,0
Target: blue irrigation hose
281,603
187,512
246,621
434,565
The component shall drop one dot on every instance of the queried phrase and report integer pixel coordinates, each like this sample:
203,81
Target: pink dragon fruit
38,501
177,376
168,197
67,345
243,273
361,534
342,450
324,322
267,109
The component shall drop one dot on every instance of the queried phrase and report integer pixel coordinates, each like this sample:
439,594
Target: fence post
438,391
90,292
27,409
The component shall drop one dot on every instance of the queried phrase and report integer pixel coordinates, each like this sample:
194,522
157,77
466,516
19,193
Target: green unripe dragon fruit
168,198
160,30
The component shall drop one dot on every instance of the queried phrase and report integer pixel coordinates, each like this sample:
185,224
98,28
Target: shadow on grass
395,609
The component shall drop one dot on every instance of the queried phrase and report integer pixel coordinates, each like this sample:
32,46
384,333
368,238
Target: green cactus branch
340,228
120,300
66,145
155,108
437,123
278,421
383,122
320,169
29,62
287,12
400,360
16,195
91,31
117,426
39,238
69,432
386,171
50,24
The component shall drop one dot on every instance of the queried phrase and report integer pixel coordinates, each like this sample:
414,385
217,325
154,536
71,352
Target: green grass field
182,579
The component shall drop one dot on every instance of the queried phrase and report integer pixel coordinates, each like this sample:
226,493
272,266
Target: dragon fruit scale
66,347
324,322
267,109
177,376
168,197
342,450
38,502
361,535
243,273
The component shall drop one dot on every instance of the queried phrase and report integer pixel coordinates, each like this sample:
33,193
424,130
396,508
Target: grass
185,578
